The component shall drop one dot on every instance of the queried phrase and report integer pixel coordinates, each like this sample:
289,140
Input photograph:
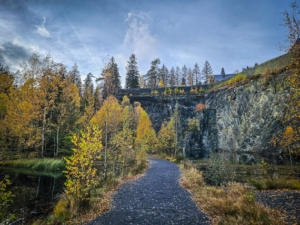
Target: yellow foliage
109,112
80,171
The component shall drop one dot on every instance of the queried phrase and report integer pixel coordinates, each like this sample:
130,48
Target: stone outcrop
242,117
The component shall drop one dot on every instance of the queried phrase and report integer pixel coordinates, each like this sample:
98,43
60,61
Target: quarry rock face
242,118
247,117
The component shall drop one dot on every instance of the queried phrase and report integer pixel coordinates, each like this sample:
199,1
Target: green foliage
46,164
239,78
166,137
221,167
176,91
193,124
275,183
5,199
154,92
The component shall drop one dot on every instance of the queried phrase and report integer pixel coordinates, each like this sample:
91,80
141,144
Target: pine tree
164,75
223,72
152,74
172,81
110,78
132,73
206,71
196,72
75,77
177,76
184,74
190,78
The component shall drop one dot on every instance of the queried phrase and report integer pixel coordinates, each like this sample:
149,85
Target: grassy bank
68,211
46,164
230,204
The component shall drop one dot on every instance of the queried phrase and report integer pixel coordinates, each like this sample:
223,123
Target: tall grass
230,204
36,164
279,183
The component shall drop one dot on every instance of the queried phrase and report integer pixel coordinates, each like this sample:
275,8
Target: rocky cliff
240,117
247,116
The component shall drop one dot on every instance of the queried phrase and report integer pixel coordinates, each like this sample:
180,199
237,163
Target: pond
35,193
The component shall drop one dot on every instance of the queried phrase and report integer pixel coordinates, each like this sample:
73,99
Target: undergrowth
70,211
278,183
46,164
232,203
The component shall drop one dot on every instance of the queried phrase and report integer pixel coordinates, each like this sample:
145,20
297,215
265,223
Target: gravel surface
156,198
286,201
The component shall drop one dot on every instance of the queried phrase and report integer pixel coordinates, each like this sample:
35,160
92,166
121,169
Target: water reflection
35,193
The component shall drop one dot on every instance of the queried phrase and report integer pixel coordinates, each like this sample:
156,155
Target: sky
232,34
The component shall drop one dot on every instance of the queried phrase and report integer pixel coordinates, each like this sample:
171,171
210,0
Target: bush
230,204
221,168
271,183
199,107
193,124
239,78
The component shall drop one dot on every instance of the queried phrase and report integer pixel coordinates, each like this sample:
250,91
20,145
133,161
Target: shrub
181,91
199,107
221,168
176,91
239,78
230,204
193,124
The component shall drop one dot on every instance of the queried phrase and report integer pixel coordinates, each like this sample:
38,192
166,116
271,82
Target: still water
35,193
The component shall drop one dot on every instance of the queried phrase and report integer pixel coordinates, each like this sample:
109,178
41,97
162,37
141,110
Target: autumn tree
80,169
132,73
88,100
291,134
109,121
145,137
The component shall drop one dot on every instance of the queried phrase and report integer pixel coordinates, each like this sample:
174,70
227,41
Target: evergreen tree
152,74
196,72
184,74
164,75
190,78
206,71
172,81
223,72
132,73
88,84
74,76
111,79
177,76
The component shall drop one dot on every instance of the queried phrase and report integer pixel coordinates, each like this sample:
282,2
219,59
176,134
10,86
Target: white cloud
138,38
41,30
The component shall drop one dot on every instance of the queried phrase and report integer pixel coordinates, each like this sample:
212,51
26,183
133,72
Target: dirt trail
156,198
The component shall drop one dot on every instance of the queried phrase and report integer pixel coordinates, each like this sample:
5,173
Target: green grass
36,164
279,183
272,177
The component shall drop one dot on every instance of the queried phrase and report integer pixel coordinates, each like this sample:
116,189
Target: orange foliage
199,107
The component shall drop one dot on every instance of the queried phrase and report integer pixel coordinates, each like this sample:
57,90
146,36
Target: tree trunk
43,132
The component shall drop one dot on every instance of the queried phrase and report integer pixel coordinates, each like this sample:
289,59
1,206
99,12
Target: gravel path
286,201
156,198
